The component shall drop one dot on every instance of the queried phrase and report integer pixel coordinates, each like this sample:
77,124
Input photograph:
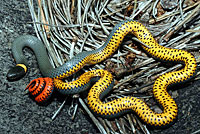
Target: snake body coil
104,81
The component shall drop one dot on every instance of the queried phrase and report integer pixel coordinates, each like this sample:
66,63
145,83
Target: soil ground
20,114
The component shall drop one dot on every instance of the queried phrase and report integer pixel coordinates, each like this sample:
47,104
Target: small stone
169,4
175,94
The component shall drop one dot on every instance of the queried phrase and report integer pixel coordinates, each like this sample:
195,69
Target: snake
100,82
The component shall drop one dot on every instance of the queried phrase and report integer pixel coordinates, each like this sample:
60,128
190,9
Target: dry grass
70,27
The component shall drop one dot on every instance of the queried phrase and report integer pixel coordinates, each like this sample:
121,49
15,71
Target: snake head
17,72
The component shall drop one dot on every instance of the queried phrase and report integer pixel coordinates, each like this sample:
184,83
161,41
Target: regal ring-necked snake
102,79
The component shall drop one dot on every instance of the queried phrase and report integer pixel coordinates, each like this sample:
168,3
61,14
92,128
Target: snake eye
16,73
